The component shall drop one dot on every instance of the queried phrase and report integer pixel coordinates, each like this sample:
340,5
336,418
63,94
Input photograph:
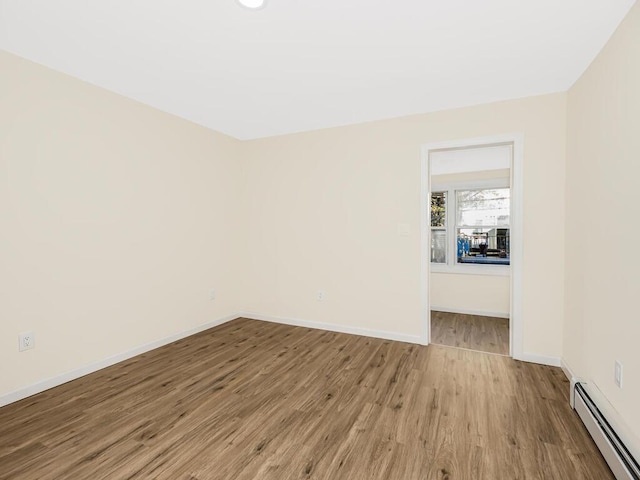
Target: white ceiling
300,65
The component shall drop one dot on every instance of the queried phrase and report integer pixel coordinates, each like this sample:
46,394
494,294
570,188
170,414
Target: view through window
475,227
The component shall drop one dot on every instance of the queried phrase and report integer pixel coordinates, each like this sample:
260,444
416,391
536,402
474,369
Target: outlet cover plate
26,341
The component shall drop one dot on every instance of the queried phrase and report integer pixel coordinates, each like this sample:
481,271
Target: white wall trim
470,312
48,383
475,269
517,256
541,359
331,327
517,208
572,379
567,370
425,241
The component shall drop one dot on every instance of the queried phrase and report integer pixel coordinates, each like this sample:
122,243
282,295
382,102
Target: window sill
472,269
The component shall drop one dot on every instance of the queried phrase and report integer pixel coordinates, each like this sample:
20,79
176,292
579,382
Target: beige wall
118,219
115,221
603,202
463,293
323,209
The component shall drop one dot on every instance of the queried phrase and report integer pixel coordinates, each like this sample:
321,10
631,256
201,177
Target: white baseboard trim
566,369
572,378
470,312
48,383
364,332
541,359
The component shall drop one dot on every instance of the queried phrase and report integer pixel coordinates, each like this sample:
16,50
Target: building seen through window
477,219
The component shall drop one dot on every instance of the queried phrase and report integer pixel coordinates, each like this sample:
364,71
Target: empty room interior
319,240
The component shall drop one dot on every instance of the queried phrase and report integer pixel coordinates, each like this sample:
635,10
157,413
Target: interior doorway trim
516,294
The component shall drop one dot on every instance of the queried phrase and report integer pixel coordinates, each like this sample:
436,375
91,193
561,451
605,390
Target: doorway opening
472,244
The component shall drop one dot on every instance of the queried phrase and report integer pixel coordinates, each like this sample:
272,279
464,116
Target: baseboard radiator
621,462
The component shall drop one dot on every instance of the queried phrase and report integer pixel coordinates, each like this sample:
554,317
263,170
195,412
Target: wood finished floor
474,332
256,400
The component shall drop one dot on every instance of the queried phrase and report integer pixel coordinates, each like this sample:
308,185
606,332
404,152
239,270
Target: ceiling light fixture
252,4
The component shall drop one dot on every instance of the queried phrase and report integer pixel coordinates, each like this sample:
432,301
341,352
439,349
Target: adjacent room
470,248
286,239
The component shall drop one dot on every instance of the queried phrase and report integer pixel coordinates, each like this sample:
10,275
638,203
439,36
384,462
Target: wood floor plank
255,400
473,332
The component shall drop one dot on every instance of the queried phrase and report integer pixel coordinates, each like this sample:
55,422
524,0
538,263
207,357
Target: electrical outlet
26,341
617,374
320,295
212,295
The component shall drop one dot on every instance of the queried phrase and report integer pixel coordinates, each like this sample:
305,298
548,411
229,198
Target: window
482,226
438,227
470,226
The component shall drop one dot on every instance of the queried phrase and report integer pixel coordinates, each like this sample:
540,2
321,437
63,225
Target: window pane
483,207
483,245
438,209
438,246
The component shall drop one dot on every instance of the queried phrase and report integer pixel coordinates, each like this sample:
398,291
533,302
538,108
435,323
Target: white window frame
452,266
